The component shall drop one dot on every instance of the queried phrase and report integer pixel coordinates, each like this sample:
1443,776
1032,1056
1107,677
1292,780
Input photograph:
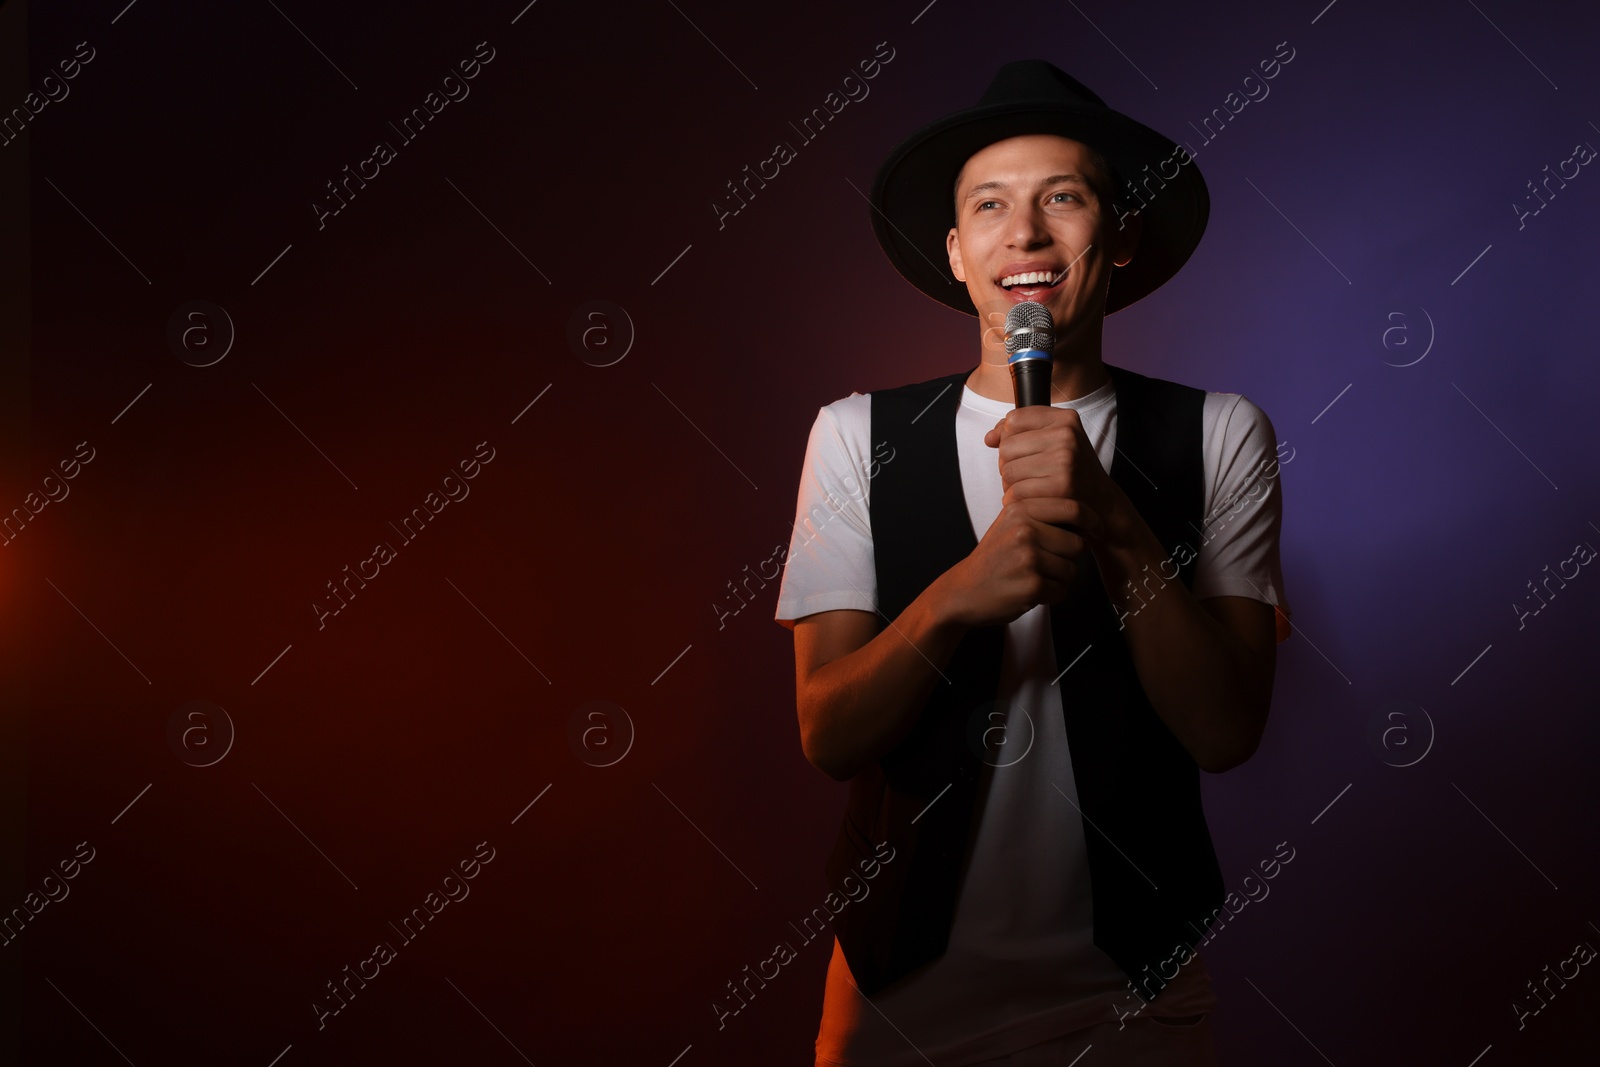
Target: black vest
1154,873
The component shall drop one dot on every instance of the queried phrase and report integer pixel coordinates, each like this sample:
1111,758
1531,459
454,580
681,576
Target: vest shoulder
1153,384
931,385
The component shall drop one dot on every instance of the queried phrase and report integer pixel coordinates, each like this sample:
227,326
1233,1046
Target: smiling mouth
1031,282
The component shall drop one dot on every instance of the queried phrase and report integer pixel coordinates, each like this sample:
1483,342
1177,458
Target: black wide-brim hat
913,201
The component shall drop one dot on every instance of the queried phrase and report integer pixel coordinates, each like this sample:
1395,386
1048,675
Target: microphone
1030,339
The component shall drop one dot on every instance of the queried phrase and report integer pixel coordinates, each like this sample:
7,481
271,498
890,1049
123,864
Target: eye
1072,196
985,203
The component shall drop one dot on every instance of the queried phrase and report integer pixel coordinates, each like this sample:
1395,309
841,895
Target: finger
1049,440
1032,417
1024,468
1061,542
1019,446
1055,593
1038,417
1058,511
1052,485
1056,579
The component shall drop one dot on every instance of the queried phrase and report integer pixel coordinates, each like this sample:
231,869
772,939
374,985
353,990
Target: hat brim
913,202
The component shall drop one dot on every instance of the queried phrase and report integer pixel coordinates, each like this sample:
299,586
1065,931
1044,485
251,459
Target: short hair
1106,183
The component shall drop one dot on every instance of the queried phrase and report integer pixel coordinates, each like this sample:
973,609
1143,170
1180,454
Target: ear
1125,237
952,247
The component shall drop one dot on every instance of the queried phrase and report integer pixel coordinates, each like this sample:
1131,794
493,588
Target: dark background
589,559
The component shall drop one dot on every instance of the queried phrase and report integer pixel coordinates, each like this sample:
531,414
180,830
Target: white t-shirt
1021,966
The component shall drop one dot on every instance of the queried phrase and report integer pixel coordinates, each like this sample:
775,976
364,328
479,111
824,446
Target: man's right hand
860,685
1024,559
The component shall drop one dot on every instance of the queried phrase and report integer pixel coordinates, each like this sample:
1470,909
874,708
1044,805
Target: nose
1027,227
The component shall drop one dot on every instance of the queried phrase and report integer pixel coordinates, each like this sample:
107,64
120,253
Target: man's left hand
1044,452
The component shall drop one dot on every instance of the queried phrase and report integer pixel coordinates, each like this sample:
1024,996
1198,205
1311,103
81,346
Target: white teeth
1032,277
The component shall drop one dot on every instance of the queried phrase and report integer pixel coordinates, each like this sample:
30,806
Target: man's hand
1206,670
1025,559
1045,454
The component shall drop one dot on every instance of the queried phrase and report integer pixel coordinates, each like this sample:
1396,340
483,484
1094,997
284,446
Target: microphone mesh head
1028,325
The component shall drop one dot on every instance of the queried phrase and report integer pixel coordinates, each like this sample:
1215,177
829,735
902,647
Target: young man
1021,633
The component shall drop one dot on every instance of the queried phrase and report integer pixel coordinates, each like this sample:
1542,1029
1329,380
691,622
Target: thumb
992,438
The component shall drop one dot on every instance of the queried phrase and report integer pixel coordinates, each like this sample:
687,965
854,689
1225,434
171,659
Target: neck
1077,369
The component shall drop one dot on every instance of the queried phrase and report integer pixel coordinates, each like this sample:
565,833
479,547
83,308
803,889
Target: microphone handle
1030,377
1030,380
